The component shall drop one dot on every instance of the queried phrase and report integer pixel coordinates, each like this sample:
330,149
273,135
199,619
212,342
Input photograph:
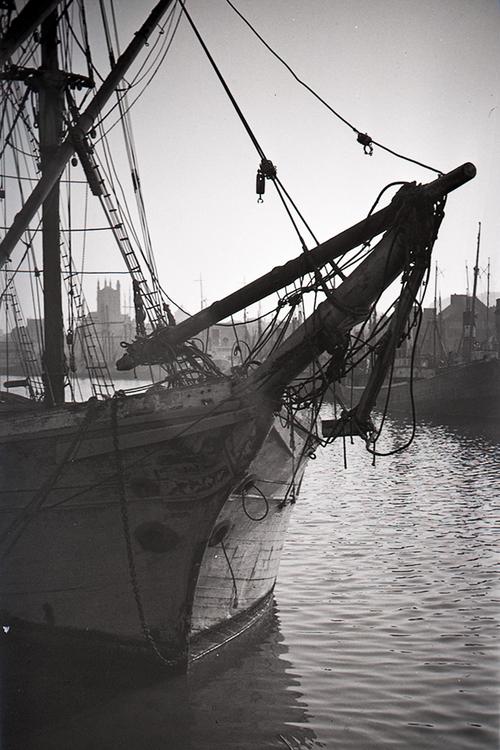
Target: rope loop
266,501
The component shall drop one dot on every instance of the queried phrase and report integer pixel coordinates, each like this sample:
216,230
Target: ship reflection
244,696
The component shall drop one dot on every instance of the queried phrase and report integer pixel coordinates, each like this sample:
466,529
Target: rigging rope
366,141
267,168
20,522
166,45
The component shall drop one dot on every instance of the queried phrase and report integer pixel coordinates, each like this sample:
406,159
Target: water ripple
384,635
387,594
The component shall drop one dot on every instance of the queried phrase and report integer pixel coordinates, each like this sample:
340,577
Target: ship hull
469,391
107,520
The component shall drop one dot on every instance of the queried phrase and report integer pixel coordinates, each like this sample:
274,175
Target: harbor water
383,632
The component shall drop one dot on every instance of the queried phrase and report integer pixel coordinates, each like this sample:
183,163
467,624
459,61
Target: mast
202,298
488,306
434,331
472,327
51,102
76,137
25,23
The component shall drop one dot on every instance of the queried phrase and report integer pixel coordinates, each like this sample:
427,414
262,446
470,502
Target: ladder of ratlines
26,349
151,298
93,355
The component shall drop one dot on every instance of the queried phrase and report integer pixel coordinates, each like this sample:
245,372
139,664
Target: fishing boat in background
451,371
150,523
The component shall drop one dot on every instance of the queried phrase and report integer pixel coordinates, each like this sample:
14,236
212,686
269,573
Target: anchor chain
127,535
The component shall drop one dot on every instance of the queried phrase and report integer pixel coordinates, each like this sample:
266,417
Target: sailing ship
454,384
150,523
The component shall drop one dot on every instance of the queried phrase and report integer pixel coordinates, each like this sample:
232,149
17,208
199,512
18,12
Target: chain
127,535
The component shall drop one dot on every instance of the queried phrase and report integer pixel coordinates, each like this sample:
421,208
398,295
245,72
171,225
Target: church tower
109,303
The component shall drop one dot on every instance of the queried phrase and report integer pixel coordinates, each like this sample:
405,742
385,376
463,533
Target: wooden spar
281,276
64,152
385,355
51,101
469,341
326,328
25,23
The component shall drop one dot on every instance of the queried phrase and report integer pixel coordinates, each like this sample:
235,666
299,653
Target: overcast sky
420,77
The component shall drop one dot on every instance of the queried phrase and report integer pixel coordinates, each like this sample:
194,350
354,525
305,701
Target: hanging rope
264,498
235,600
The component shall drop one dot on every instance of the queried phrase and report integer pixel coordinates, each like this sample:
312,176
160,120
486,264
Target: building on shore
444,334
112,326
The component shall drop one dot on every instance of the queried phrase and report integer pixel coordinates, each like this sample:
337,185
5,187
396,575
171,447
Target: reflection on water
250,698
245,696
383,633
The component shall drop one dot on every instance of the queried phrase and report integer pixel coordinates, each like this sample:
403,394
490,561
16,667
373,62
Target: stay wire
223,83
370,141
132,156
7,139
277,183
240,114
157,63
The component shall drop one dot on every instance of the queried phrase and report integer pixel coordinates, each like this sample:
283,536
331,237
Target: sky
420,77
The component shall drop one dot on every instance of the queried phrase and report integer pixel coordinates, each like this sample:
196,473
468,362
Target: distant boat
141,523
465,391
465,387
